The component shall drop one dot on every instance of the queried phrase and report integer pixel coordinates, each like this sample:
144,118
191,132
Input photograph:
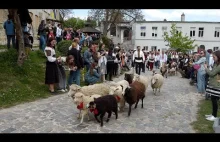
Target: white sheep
118,90
82,103
102,89
157,82
142,79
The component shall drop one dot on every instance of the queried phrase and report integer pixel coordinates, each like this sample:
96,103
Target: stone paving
170,112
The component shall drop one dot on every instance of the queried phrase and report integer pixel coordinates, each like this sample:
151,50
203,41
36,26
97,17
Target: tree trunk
19,37
105,28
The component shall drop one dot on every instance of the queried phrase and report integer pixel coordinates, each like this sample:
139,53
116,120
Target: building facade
36,14
149,34
119,33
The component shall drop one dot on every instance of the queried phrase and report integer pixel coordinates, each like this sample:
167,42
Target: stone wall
3,18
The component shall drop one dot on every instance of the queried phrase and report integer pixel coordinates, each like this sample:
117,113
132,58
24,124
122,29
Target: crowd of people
202,68
103,63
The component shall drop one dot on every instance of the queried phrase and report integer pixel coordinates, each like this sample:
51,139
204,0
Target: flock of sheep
111,97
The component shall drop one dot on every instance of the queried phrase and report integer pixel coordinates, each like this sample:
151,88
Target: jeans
42,42
87,67
201,81
9,38
74,77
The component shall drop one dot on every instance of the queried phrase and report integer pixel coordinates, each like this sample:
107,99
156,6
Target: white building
149,34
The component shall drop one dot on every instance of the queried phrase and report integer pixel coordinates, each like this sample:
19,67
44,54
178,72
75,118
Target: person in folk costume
151,59
138,59
51,74
163,59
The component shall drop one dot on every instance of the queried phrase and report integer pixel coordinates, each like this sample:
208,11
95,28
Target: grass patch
21,84
3,46
201,125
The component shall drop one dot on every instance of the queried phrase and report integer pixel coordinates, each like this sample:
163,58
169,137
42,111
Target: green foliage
178,41
3,46
63,47
84,49
21,84
76,23
106,41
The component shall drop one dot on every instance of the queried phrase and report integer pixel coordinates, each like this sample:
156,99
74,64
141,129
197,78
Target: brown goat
134,94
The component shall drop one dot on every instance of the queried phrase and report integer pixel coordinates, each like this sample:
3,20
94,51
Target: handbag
196,66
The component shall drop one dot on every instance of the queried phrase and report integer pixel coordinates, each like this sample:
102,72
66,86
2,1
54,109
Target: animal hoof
107,120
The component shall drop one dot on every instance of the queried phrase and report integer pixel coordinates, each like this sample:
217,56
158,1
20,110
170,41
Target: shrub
63,46
106,41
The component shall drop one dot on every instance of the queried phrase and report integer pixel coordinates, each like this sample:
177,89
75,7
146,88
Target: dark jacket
77,57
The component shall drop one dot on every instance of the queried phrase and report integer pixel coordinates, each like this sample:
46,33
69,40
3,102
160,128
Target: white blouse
50,57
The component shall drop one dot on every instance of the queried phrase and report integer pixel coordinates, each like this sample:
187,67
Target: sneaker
61,90
208,115
212,118
66,90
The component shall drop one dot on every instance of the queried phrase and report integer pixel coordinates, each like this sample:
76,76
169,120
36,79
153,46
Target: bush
106,41
63,47
84,49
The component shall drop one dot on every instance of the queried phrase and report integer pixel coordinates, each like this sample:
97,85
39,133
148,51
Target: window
153,48
145,48
192,32
113,30
215,48
143,34
217,29
143,28
154,31
201,31
179,29
164,29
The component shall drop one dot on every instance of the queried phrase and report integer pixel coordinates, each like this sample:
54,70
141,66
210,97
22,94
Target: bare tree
18,28
113,16
64,12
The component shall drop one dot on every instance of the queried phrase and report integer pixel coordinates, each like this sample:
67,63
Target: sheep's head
129,77
116,90
128,92
78,98
92,105
136,77
154,79
73,89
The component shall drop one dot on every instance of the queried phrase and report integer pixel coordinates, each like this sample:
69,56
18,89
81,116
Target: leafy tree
74,23
178,41
113,16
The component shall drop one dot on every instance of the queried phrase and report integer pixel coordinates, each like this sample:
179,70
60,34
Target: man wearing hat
27,43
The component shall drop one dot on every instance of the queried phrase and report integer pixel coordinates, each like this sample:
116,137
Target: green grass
21,84
201,125
3,47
